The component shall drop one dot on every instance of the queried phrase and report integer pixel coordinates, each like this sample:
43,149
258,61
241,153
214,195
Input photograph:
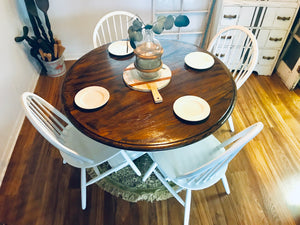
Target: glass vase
148,56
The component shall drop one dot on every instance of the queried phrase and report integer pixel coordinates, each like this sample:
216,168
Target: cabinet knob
275,39
229,16
298,70
220,55
283,18
226,37
268,57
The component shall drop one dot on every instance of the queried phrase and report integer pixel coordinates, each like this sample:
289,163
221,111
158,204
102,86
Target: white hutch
269,20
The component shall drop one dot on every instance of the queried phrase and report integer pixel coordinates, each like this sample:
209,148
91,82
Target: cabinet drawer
276,39
267,57
271,38
230,59
237,15
278,17
231,38
230,16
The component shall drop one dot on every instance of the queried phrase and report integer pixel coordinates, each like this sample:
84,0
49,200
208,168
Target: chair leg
231,124
131,163
96,170
83,188
170,189
187,208
225,184
149,171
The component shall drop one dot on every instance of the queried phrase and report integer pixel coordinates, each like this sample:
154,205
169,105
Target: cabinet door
278,17
290,77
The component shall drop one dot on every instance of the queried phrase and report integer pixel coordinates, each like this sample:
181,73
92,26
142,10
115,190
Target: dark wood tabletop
130,119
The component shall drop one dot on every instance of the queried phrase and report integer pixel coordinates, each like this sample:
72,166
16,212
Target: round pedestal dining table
130,119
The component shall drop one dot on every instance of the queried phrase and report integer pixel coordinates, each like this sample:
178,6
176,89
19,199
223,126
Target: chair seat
198,166
86,147
189,158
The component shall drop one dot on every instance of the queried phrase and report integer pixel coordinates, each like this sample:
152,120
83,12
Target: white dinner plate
91,97
191,108
199,60
119,48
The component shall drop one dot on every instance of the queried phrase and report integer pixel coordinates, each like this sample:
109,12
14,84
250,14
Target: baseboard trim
11,142
9,148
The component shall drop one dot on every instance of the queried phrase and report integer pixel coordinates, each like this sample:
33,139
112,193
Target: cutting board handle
155,93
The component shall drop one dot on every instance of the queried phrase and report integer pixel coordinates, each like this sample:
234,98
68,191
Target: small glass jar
148,56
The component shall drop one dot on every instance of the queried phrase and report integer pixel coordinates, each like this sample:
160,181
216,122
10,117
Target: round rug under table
129,186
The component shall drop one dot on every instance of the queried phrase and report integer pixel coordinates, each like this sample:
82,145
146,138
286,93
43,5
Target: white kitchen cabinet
270,21
288,67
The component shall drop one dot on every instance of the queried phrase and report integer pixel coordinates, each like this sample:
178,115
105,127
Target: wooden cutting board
134,81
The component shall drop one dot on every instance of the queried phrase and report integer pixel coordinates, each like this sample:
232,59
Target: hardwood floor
264,178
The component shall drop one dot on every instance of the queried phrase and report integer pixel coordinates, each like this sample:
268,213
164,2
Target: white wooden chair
112,27
199,165
237,47
76,149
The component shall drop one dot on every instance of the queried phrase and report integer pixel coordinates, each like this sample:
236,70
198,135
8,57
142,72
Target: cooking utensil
55,50
25,35
46,46
33,22
49,57
34,54
43,5
57,41
32,42
42,54
31,8
60,50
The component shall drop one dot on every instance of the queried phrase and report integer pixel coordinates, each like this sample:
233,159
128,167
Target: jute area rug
130,187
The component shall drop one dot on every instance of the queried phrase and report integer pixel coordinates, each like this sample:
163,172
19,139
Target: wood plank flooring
264,178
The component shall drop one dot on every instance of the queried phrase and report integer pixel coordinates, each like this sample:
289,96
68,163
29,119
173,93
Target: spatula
31,8
43,5
33,22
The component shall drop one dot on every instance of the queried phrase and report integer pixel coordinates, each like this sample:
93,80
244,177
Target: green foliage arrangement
162,23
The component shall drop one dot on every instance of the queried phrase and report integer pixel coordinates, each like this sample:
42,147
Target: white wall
73,22
17,75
